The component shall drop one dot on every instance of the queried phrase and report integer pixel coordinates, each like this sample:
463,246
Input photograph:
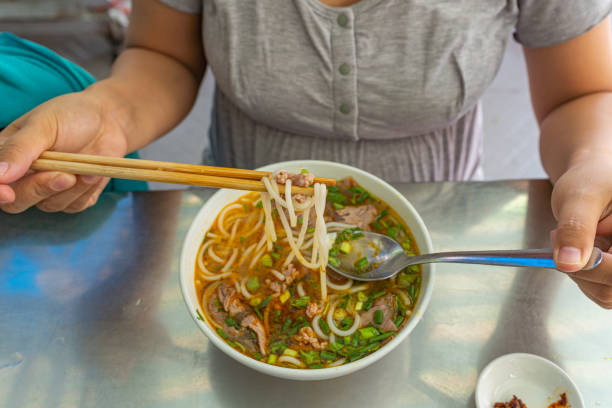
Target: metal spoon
386,257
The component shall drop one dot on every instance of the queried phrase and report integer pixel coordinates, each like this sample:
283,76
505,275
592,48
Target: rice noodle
300,290
278,275
403,296
256,258
256,227
269,229
215,277
290,360
246,253
210,235
343,286
301,235
289,201
243,289
317,328
201,260
214,256
230,261
233,234
337,363
332,324
358,288
221,218
338,225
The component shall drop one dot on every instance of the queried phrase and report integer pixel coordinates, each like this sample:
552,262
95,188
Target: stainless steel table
91,314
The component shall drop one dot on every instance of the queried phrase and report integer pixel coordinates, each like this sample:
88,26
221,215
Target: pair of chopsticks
165,172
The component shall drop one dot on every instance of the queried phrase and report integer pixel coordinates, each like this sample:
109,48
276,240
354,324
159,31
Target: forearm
576,131
148,93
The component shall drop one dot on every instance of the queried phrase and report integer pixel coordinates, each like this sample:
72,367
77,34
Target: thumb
577,218
20,146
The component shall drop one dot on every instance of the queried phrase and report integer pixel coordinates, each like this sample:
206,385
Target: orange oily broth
276,314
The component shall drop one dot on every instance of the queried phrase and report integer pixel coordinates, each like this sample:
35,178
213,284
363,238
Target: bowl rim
525,356
323,373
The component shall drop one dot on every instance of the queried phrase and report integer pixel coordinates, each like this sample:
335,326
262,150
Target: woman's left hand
582,205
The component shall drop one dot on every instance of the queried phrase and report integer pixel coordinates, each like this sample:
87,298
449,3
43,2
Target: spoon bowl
386,258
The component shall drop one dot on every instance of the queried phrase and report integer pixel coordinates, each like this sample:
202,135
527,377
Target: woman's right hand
76,123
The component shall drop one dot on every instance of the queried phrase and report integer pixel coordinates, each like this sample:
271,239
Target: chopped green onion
368,304
300,221
242,239
345,247
338,206
278,346
265,302
361,296
336,346
272,359
406,244
245,207
412,292
382,214
310,357
377,294
392,232
376,225
356,357
240,346
252,284
258,355
346,323
368,332
369,347
300,302
324,326
290,352
315,366
361,264
200,317
258,313
328,355
347,340
304,171
333,261
405,279
232,323
398,321
259,204
378,316
286,324
266,261
401,309
222,333
381,337
275,255
310,230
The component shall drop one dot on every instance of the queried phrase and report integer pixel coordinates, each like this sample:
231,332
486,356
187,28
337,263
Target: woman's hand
582,205
77,123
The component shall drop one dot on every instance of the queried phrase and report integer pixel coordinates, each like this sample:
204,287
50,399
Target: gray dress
389,86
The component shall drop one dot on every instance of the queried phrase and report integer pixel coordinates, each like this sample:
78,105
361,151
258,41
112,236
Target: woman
390,86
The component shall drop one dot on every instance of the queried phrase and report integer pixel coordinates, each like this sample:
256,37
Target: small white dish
537,381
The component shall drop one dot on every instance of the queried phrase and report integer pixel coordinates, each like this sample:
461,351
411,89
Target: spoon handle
539,258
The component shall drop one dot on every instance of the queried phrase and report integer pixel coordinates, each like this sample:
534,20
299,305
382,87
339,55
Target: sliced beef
360,216
242,313
385,303
218,314
300,179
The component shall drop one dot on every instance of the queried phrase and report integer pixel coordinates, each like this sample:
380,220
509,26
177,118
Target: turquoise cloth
31,74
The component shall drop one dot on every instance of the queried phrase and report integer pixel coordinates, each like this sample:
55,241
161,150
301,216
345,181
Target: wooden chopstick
169,166
164,172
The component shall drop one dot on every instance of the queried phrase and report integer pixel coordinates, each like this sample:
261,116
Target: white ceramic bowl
376,186
537,381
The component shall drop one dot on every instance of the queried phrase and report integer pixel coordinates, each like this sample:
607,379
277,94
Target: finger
88,199
36,187
602,295
7,195
23,141
60,201
577,212
601,275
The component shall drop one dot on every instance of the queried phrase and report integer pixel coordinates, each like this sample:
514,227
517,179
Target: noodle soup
275,301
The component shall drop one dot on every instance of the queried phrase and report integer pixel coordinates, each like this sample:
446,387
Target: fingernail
90,179
62,182
3,168
569,255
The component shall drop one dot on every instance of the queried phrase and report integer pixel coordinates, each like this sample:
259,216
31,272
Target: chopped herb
371,346
361,264
304,171
324,326
272,359
404,279
258,355
266,261
368,332
300,221
328,355
413,291
368,304
401,309
406,244
259,204
310,357
256,301
275,255
286,324
382,214
398,320
310,230
290,352
315,366
277,347
333,261
376,295
277,316
222,333
242,239
392,232
338,206
232,323
381,337
258,313
378,316
252,284
346,323
278,248
361,297
300,302
246,208
336,346
376,225
336,197
200,317
265,302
